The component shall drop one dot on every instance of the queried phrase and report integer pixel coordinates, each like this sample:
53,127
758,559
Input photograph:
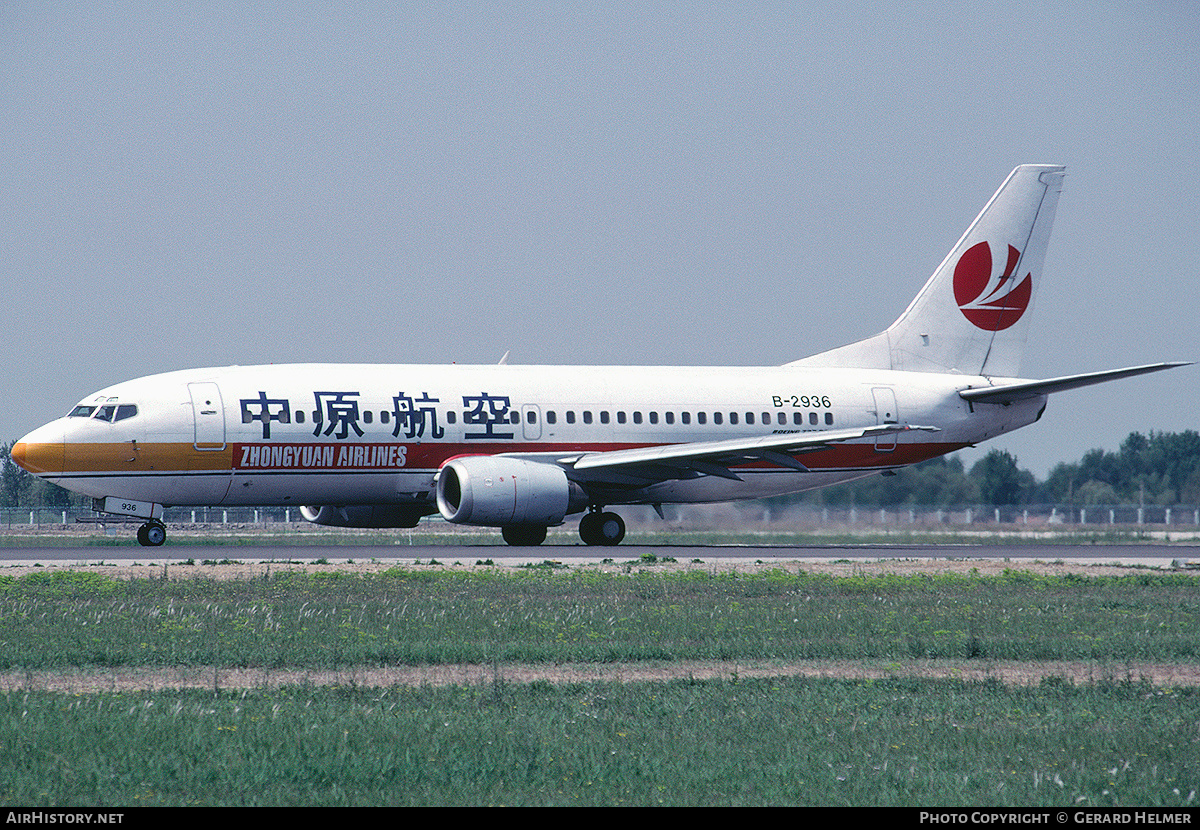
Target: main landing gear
152,534
597,528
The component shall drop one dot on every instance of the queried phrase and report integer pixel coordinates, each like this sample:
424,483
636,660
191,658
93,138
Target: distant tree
1167,463
999,479
1098,465
1061,483
1161,468
1189,493
1096,492
942,482
14,482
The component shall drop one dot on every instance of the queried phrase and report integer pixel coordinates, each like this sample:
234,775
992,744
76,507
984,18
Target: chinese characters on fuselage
338,414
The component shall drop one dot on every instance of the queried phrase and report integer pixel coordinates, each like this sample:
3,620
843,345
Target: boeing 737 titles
523,447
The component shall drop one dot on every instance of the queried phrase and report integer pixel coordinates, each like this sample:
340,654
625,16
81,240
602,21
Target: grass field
734,740
760,742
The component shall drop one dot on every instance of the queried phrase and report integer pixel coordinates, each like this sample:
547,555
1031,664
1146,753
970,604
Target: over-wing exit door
885,413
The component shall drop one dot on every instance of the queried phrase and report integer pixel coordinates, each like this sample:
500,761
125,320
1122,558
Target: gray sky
202,184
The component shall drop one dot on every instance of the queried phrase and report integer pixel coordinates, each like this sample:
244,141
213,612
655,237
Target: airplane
521,448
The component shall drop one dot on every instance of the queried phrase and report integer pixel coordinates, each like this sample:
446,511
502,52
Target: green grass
785,742
59,618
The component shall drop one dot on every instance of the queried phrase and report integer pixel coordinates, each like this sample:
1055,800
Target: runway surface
1146,555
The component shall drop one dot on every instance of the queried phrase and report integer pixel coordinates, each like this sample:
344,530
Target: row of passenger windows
605,417
718,418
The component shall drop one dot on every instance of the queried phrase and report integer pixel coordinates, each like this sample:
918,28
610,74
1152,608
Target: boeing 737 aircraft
523,447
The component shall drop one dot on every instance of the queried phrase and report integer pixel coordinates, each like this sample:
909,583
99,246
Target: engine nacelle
496,491
364,515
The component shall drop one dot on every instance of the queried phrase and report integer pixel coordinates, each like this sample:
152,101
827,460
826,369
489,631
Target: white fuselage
378,434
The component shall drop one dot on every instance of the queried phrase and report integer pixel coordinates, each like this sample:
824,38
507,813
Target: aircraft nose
41,451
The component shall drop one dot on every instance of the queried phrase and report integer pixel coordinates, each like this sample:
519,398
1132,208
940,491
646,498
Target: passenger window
749,417
570,416
452,417
368,416
829,418
637,417
587,416
300,416
531,417
670,417
620,417
717,418
551,418
685,417
654,417
604,417
812,418
733,418
384,416
701,417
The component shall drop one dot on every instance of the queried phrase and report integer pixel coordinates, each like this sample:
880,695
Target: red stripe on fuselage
431,456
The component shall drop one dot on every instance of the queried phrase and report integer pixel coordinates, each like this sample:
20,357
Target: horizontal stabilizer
1033,388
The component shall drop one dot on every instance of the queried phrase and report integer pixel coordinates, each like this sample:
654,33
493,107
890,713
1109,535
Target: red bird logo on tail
992,305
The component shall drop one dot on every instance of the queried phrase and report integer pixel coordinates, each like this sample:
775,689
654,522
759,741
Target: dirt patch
206,677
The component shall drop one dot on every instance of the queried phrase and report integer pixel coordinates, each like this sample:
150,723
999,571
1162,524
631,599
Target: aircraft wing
645,465
1007,393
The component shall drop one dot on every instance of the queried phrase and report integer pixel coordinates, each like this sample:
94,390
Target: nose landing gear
152,534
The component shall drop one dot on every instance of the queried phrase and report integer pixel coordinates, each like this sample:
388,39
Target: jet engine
497,491
364,515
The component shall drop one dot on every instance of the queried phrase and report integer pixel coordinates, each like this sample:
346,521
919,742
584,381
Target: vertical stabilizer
973,314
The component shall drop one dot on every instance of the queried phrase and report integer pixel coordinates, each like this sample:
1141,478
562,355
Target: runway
1132,555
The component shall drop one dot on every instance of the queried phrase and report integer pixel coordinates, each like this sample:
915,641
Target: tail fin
973,314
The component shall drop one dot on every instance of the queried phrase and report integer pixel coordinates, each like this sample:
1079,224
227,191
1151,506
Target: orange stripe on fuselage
123,457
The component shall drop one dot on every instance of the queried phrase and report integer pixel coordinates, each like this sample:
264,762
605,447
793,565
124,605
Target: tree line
1162,468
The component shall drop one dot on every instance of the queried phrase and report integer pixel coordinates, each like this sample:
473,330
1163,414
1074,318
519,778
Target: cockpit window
110,412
